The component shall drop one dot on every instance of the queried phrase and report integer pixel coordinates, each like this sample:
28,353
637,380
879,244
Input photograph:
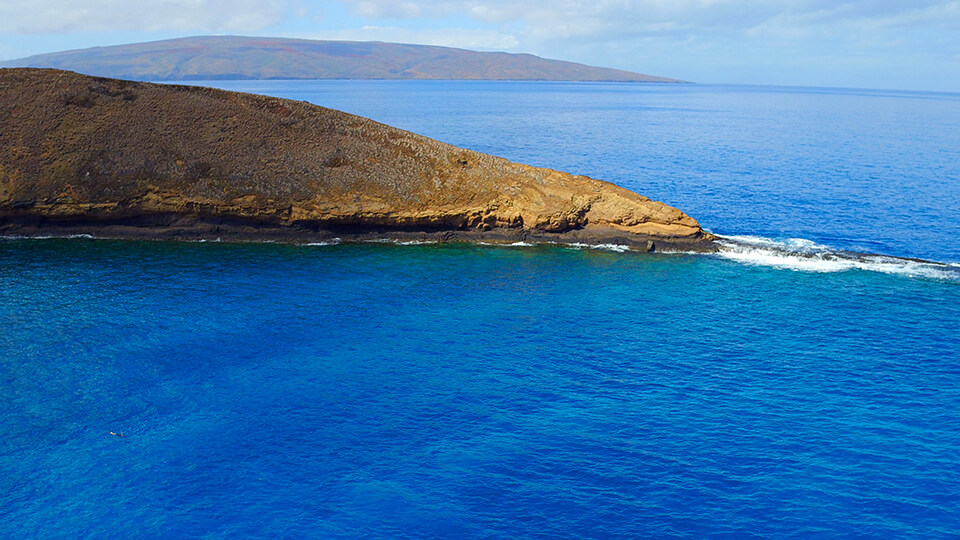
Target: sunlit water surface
775,389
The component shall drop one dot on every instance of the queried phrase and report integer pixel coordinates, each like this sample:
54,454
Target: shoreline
823,260
145,161
239,230
228,229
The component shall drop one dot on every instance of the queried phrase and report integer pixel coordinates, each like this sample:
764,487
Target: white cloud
47,16
945,14
719,40
446,37
379,10
527,20
572,18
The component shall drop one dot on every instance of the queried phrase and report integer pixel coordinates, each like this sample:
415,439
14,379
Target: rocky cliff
80,154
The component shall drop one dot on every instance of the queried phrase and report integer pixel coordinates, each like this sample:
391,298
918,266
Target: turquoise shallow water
774,390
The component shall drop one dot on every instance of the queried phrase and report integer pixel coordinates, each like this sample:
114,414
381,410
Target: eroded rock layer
80,154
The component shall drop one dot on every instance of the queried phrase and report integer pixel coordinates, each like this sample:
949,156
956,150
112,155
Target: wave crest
804,255
332,242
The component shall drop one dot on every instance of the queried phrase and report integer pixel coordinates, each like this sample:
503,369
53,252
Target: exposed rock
127,159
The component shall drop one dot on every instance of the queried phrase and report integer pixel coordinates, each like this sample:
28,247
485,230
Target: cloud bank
553,20
49,16
780,41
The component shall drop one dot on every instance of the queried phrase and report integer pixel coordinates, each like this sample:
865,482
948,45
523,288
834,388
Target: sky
887,44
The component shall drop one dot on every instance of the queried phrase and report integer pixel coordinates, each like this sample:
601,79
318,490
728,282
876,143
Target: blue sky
897,44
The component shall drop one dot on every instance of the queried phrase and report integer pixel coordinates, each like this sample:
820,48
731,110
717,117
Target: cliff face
119,158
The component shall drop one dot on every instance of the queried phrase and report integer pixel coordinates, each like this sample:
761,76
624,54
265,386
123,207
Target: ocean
784,387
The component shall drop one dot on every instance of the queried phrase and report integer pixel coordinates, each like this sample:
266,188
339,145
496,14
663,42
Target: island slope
81,154
239,57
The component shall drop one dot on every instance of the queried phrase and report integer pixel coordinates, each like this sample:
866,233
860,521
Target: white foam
677,252
46,237
336,241
333,242
416,242
801,245
806,256
498,244
618,248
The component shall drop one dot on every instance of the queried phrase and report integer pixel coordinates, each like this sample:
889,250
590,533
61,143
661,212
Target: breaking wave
618,248
500,244
332,242
806,256
47,237
417,242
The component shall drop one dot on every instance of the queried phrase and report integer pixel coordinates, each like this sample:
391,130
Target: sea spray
807,256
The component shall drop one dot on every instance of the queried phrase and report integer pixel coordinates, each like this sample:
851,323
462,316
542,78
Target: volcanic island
121,159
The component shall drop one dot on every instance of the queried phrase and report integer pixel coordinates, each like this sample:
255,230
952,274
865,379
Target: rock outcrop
114,158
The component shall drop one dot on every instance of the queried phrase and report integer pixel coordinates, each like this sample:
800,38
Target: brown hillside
119,158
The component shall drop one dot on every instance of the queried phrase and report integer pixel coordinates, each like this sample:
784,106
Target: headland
122,159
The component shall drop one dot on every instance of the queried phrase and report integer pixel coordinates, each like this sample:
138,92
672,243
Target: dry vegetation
84,150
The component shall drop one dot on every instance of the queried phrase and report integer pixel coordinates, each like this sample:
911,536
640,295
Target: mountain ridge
242,57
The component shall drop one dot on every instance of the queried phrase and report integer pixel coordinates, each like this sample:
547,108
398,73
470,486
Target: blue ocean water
773,390
867,170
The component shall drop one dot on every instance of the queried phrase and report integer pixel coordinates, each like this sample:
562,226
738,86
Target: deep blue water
474,391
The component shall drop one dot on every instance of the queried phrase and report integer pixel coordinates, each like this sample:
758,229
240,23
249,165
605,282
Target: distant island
122,159
238,57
